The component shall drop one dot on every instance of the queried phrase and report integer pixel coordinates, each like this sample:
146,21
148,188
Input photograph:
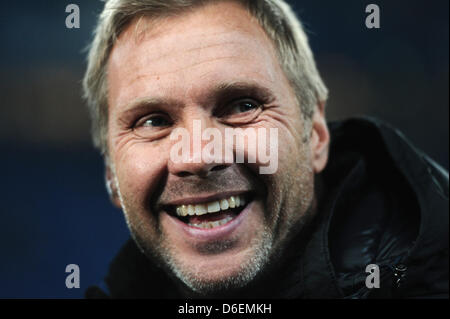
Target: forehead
182,55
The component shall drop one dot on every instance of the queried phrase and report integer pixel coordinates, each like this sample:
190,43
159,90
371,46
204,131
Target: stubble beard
255,260
260,257
161,253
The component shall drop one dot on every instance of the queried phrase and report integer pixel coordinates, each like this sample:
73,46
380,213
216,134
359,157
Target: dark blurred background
55,208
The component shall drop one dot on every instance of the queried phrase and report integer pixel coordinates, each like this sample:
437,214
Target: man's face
215,65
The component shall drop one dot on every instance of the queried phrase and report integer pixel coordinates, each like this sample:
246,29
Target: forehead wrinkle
171,52
177,55
196,46
234,45
144,76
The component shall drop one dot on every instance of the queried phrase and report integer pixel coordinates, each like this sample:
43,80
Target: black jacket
381,201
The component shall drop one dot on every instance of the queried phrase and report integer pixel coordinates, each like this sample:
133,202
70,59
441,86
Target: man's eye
243,106
154,121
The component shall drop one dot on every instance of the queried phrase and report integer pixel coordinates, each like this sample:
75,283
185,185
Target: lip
211,234
202,198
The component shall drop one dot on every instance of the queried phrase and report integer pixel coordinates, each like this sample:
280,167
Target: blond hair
275,17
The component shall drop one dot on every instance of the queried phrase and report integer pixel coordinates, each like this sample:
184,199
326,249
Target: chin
216,283
214,275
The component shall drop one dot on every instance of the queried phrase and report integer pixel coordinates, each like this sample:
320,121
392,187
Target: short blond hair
275,17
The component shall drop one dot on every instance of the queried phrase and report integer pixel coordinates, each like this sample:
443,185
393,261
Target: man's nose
197,161
201,169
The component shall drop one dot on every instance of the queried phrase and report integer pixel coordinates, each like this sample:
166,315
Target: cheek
138,170
295,174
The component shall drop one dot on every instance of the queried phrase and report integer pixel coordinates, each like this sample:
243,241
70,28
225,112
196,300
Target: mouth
212,214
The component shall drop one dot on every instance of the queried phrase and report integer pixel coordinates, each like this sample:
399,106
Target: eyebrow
229,89
149,102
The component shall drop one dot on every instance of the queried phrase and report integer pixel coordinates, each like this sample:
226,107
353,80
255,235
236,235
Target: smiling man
206,224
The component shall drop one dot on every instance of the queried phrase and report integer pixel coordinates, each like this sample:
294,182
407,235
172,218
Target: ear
111,187
320,138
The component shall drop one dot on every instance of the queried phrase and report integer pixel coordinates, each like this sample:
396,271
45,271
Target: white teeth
217,223
232,202
211,207
224,204
182,210
200,209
